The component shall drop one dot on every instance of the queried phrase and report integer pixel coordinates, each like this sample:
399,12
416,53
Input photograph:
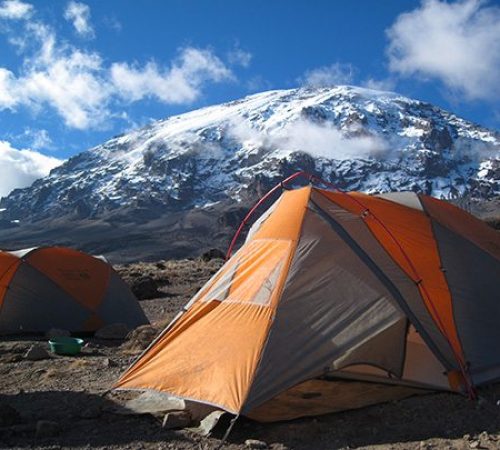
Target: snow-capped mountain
228,154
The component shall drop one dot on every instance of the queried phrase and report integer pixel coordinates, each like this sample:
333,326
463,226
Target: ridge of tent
281,285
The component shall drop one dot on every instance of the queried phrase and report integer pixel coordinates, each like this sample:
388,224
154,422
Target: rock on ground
213,253
113,331
140,338
36,353
176,419
256,444
145,288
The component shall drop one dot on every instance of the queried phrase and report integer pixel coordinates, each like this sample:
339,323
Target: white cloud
329,142
457,43
84,90
72,85
334,74
113,23
380,85
181,83
79,15
15,10
67,79
239,57
21,167
40,139
319,140
258,83
8,97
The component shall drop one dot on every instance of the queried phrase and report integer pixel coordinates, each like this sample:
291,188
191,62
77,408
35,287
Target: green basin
66,345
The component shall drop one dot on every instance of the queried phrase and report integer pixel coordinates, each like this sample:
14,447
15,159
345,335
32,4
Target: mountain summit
181,184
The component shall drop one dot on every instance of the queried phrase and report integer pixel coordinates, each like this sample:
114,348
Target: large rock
36,352
113,331
153,402
176,419
145,288
213,253
208,423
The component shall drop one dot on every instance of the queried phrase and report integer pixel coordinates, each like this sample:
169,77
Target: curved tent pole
250,213
416,277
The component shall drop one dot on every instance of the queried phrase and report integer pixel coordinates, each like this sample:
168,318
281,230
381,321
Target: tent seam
443,270
392,289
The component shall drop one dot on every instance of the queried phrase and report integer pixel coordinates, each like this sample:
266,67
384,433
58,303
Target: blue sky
74,73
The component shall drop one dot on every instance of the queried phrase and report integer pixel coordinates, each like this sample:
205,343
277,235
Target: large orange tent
400,289
58,287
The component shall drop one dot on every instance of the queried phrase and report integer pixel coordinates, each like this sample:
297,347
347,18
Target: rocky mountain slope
180,185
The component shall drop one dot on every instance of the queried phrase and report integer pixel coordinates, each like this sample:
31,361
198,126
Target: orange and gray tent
400,289
57,287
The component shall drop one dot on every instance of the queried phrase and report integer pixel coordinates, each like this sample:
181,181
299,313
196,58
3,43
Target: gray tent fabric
393,338
409,199
405,290
330,305
35,303
120,304
474,279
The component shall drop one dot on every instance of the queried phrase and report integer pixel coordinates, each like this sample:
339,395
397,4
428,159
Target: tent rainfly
57,287
398,289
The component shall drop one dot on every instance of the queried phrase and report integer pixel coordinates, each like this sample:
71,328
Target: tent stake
228,431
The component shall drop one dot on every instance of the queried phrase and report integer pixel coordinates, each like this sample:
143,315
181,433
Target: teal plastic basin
66,345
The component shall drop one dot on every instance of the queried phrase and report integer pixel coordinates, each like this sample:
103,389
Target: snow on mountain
356,138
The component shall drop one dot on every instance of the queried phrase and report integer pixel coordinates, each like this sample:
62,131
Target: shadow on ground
85,419
82,419
441,416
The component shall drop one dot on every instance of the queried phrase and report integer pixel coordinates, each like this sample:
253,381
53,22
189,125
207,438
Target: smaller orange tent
57,287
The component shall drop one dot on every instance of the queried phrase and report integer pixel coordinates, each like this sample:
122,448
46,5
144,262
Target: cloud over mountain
21,167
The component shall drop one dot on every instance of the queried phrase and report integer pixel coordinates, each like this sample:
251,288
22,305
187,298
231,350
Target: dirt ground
68,392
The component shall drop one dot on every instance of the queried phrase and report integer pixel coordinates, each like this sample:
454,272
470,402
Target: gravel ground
63,397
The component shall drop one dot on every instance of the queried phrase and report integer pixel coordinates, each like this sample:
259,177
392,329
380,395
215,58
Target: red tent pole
254,208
